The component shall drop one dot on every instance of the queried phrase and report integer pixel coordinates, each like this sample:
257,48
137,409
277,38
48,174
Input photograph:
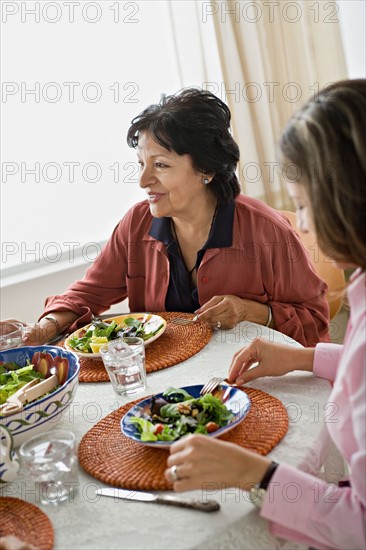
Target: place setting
128,448
167,343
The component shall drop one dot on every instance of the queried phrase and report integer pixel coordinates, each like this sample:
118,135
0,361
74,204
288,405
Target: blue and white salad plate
236,401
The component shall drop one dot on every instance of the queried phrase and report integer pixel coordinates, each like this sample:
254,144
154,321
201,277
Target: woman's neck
198,222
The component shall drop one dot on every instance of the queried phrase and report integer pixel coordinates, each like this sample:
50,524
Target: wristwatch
258,493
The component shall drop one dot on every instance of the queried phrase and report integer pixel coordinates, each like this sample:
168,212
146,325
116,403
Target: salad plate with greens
160,420
87,341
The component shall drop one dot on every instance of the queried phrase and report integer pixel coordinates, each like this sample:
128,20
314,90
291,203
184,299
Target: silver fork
181,321
211,385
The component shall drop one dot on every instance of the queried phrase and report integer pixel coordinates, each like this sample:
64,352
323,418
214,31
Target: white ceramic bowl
44,413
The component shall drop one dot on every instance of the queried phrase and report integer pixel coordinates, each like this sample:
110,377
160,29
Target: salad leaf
12,380
189,415
146,428
174,395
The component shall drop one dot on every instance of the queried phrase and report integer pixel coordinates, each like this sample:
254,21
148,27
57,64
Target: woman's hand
202,461
33,333
37,334
271,359
230,310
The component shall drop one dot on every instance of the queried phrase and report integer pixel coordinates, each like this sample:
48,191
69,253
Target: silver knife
142,496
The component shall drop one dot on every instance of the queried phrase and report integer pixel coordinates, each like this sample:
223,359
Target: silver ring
218,324
174,473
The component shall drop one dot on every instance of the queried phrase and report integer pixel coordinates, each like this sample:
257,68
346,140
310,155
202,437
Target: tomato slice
62,368
158,429
42,362
212,427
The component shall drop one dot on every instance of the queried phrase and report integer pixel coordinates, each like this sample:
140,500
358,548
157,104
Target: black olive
156,404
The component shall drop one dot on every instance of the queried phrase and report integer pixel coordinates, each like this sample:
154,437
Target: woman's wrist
258,313
47,329
257,471
55,323
54,320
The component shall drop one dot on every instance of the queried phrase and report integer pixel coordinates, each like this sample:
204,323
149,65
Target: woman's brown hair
326,144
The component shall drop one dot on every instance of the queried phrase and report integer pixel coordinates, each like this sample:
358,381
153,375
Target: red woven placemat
177,344
108,455
26,522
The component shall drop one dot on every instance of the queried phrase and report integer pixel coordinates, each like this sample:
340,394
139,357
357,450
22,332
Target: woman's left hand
201,461
227,311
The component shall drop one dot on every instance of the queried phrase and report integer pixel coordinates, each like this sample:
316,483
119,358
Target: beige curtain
274,56
264,58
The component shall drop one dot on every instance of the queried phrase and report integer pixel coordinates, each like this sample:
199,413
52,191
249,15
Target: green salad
13,377
99,333
177,413
42,365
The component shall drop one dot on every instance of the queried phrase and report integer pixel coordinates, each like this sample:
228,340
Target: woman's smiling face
171,182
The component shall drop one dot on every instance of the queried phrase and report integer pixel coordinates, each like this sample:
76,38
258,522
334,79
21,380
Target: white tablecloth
92,522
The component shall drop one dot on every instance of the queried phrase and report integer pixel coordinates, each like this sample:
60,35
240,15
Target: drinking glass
125,365
137,344
11,335
50,461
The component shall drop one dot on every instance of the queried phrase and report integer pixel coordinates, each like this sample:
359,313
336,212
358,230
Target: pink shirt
266,263
326,516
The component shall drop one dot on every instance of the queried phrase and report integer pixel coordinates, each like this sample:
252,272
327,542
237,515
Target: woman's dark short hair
196,123
325,141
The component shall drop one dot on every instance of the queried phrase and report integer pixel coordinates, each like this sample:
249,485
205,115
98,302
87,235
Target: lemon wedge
97,342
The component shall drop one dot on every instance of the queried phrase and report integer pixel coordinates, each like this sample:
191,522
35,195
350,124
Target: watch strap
258,493
263,484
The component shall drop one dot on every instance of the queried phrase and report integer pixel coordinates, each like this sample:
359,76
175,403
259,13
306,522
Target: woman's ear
207,178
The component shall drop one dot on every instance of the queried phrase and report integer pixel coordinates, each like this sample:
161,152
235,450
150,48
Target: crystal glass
11,335
125,365
50,461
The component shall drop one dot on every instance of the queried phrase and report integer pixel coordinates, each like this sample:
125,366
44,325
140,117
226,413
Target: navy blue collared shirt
181,295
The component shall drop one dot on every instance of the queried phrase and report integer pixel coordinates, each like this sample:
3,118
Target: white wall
352,19
24,300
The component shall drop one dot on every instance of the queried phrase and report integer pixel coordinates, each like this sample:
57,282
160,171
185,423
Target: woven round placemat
108,455
178,343
26,522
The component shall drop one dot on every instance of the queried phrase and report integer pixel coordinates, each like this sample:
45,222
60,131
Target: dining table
89,521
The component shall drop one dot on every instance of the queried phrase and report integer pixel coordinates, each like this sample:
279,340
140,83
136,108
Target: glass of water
124,360
11,335
50,461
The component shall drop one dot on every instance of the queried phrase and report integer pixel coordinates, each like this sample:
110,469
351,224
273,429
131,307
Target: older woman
329,134
196,244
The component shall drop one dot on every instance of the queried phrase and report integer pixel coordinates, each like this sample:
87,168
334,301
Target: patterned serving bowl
44,413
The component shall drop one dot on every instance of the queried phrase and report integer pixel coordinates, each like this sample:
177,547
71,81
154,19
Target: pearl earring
206,181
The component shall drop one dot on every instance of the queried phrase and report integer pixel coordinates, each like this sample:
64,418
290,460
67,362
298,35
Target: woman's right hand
268,360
